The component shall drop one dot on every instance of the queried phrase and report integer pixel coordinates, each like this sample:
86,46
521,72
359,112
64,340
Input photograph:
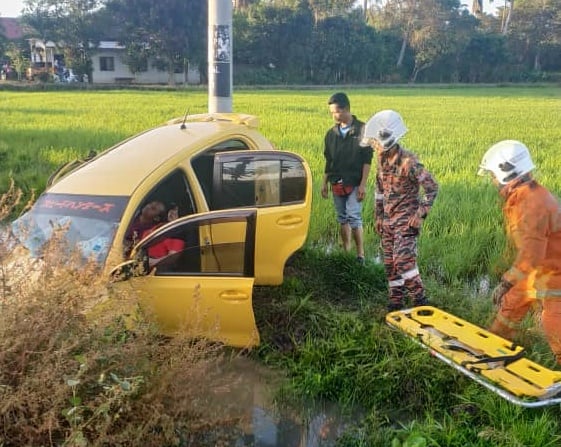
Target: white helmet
507,160
386,127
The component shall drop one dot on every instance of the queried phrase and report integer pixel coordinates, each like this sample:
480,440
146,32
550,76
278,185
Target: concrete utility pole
220,79
477,8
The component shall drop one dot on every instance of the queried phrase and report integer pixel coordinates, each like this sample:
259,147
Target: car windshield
88,223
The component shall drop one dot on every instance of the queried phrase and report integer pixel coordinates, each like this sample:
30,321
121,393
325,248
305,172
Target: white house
107,61
109,68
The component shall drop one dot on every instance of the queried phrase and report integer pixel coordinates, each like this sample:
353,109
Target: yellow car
239,208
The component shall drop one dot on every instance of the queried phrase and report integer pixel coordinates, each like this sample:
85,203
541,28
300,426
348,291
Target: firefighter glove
500,291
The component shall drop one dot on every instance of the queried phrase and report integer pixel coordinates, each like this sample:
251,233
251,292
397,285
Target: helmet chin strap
507,188
388,150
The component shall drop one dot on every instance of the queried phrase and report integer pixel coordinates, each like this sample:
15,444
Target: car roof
121,168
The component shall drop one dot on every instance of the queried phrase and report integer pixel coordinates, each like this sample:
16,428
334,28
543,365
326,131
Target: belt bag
341,190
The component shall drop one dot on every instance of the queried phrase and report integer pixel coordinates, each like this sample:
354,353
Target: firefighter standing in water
399,208
533,225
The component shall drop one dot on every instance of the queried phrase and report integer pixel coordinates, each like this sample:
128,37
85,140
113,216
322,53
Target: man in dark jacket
347,165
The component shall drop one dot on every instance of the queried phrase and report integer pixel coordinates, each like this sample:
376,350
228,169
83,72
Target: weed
69,379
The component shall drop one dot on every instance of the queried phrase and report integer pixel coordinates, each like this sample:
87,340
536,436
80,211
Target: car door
205,288
278,184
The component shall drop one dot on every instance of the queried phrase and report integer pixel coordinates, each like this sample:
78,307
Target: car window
257,178
172,192
87,223
211,245
174,189
203,163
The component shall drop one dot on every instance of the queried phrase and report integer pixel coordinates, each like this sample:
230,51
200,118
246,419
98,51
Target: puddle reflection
260,421
320,428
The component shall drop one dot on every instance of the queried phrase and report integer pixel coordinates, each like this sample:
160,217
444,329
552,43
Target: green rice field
449,129
323,328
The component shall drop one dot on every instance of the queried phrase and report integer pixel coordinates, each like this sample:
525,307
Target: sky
12,8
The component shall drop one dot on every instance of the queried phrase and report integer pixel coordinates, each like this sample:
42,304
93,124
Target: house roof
110,45
11,27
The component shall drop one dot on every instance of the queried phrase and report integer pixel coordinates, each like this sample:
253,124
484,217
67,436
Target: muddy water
253,417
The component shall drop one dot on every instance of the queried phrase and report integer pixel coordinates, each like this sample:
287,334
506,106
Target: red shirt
163,248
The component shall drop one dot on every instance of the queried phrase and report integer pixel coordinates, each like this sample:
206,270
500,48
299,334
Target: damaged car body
242,209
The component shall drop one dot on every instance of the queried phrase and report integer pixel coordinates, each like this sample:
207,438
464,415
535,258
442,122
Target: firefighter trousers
399,246
517,302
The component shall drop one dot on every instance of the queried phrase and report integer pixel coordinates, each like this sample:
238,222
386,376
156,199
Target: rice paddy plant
324,325
449,128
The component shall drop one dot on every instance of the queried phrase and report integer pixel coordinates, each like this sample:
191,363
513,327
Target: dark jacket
344,157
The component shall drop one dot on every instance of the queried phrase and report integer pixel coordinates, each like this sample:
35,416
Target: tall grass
337,347
70,376
449,129
65,381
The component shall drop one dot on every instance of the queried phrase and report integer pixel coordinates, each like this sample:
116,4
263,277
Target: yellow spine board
467,344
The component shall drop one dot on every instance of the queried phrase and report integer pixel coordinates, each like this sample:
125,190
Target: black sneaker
360,260
421,302
392,307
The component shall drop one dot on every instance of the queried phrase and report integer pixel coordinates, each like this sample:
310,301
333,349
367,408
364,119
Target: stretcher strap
505,359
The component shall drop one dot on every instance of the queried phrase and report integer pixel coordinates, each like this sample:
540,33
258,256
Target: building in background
107,61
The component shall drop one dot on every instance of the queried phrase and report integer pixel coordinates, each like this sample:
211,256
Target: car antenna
183,126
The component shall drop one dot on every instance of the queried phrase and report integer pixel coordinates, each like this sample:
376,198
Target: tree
537,26
274,41
173,31
477,7
18,58
73,24
3,40
347,50
329,8
425,26
241,4
484,58
506,15
400,16
137,56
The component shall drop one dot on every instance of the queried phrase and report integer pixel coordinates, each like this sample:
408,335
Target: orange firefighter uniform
533,221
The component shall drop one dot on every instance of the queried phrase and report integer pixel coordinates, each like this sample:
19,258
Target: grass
336,347
449,129
324,325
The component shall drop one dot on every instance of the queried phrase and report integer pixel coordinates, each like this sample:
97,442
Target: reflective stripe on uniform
379,196
506,322
410,274
544,294
396,283
514,275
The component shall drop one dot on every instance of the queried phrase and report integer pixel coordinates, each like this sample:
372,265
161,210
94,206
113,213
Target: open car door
278,184
205,287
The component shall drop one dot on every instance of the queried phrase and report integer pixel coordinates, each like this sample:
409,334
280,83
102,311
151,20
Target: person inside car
167,246
150,215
